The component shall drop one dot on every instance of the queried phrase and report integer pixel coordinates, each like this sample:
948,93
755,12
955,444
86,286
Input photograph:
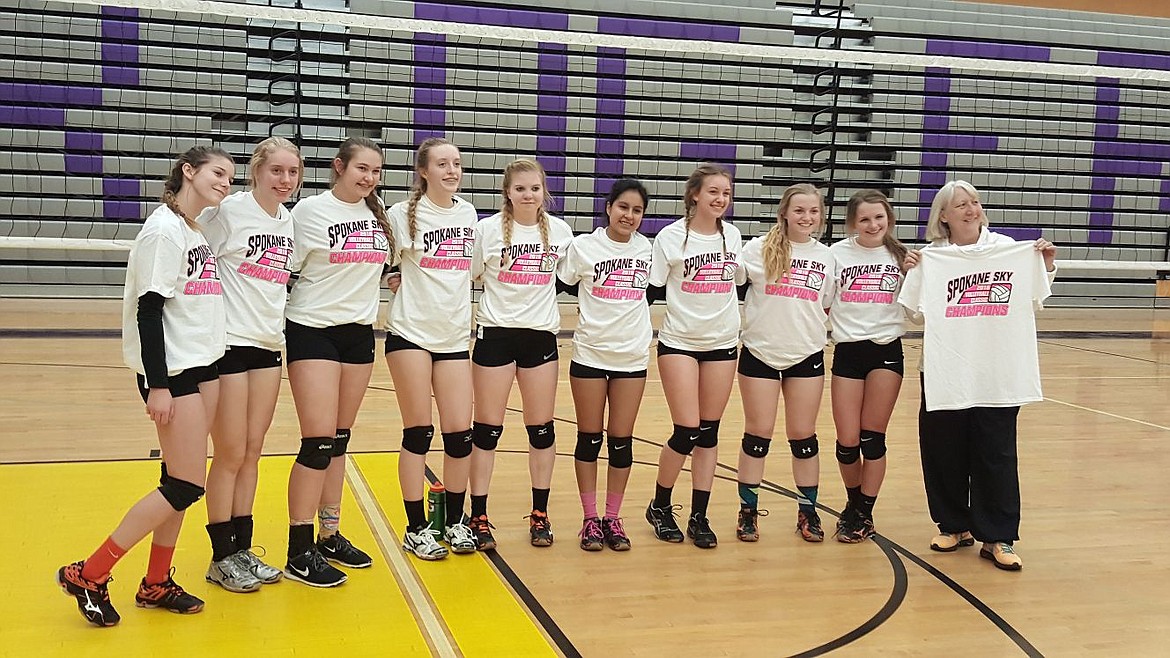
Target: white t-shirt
339,251
613,328
520,292
866,308
979,344
702,307
253,251
432,308
171,259
784,321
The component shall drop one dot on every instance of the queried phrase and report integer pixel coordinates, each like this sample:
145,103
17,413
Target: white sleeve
300,214
569,270
158,266
478,258
741,276
911,295
830,294
659,266
1042,282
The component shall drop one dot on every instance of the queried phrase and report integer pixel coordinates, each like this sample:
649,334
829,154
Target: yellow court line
482,613
1106,413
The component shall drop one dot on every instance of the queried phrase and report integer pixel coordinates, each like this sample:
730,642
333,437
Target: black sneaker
748,527
481,527
93,599
336,548
615,535
539,528
167,595
699,531
809,526
662,520
853,527
311,568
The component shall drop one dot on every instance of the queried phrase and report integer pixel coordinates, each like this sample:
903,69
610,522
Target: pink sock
589,504
613,505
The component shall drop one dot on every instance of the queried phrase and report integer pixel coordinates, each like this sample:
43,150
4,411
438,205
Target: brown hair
265,149
777,247
691,189
345,153
891,243
419,187
524,165
196,156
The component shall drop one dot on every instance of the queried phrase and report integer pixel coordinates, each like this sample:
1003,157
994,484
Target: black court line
1102,352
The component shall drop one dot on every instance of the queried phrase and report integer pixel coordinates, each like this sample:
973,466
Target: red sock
159,568
99,565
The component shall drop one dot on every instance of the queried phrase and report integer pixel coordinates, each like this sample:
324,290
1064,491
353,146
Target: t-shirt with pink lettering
867,280
253,250
784,321
432,308
172,259
340,250
519,279
698,271
613,325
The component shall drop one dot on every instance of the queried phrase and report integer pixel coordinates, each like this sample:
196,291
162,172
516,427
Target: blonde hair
521,166
891,243
345,153
196,156
691,189
265,149
936,228
419,187
777,247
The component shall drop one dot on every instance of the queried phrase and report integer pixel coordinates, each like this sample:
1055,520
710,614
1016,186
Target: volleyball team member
611,345
694,266
867,324
342,241
251,235
172,335
791,287
428,341
517,252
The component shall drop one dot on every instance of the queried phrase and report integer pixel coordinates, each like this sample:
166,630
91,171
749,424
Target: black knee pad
755,446
457,445
180,493
417,440
486,437
316,452
708,434
340,442
541,436
873,444
848,454
588,447
804,448
621,451
683,440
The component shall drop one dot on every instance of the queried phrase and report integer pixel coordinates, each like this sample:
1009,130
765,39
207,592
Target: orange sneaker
167,595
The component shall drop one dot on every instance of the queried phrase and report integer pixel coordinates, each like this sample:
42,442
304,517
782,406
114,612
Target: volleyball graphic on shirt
716,271
209,271
275,257
811,279
874,282
458,247
369,240
534,261
627,278
987,293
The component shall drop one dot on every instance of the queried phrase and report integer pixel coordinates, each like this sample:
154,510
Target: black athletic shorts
728,354
751,366
583,371
394,342
527,348
184,383
242,358
856,360
344,343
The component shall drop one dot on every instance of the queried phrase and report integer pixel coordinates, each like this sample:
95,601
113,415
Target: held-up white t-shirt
520,292
253,250
699,271
173,260
339,250
613,328
432,308
978,302
784,321
868,280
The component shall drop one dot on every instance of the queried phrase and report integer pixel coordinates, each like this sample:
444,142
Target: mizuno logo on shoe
90,606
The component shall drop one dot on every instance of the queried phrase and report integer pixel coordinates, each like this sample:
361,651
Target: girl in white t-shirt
609,270
694,266
517,254
969,463
427,341
251,235
867,324
172,335
791,287
342,240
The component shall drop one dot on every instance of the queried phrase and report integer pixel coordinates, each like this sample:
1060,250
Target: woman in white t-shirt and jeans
969,459
790,277
609,270
694,267
172,335
428,339
517,254
868,323
342,241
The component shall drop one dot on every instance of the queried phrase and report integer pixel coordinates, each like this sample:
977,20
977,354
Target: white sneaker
233,576
460,537
265,573
424,544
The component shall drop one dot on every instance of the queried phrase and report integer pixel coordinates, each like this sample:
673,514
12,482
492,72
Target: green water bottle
437,507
